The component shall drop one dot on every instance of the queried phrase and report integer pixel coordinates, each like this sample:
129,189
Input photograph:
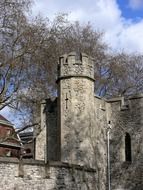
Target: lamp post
108,155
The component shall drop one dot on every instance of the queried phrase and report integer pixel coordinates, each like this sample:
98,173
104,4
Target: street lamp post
108,155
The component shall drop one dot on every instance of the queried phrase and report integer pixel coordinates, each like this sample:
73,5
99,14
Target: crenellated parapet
76,65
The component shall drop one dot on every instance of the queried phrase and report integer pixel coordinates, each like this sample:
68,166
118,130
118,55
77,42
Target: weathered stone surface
38,176
41,139
77,128
82,121
126,174
48,140
75,112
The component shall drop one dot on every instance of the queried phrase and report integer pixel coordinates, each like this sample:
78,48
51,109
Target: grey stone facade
76,123
36,175
48,140
126,143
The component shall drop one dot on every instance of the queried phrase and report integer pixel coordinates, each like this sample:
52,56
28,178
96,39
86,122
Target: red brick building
10,145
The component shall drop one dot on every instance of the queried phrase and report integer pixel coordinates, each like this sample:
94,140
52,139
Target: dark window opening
128,152
28,150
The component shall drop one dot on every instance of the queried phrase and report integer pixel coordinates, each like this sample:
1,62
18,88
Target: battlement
76,65
75,58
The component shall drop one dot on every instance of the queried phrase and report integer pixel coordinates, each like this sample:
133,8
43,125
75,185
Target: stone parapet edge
76,76
42,163
117,99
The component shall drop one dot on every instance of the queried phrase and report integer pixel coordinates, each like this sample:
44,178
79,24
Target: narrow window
128,152
28,150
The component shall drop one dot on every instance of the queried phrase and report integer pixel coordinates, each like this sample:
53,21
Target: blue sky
121,21
131,9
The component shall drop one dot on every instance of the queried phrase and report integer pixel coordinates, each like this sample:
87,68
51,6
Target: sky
120,20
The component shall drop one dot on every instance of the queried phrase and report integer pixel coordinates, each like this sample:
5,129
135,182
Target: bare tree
29,51
56,38
121,75
13,47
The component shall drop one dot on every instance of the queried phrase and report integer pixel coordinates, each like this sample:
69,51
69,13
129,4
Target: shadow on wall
80,180
84,146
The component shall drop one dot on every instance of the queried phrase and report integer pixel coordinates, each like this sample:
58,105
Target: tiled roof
4,121
10,144
3,118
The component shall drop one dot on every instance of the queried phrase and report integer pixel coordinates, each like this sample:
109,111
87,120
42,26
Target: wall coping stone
42,163
117,99
74,76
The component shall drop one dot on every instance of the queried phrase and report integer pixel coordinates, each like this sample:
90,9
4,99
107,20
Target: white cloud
105,15
136,4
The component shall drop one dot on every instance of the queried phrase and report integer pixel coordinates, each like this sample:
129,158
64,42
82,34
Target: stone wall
81,120
126,116
76,131
41,136
48,139
35,175
53,131
127,176
127,120
99,141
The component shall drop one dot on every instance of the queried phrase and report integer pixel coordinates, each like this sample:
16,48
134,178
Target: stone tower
76,107
79,127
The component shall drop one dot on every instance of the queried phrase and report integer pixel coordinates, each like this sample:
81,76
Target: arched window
128,151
